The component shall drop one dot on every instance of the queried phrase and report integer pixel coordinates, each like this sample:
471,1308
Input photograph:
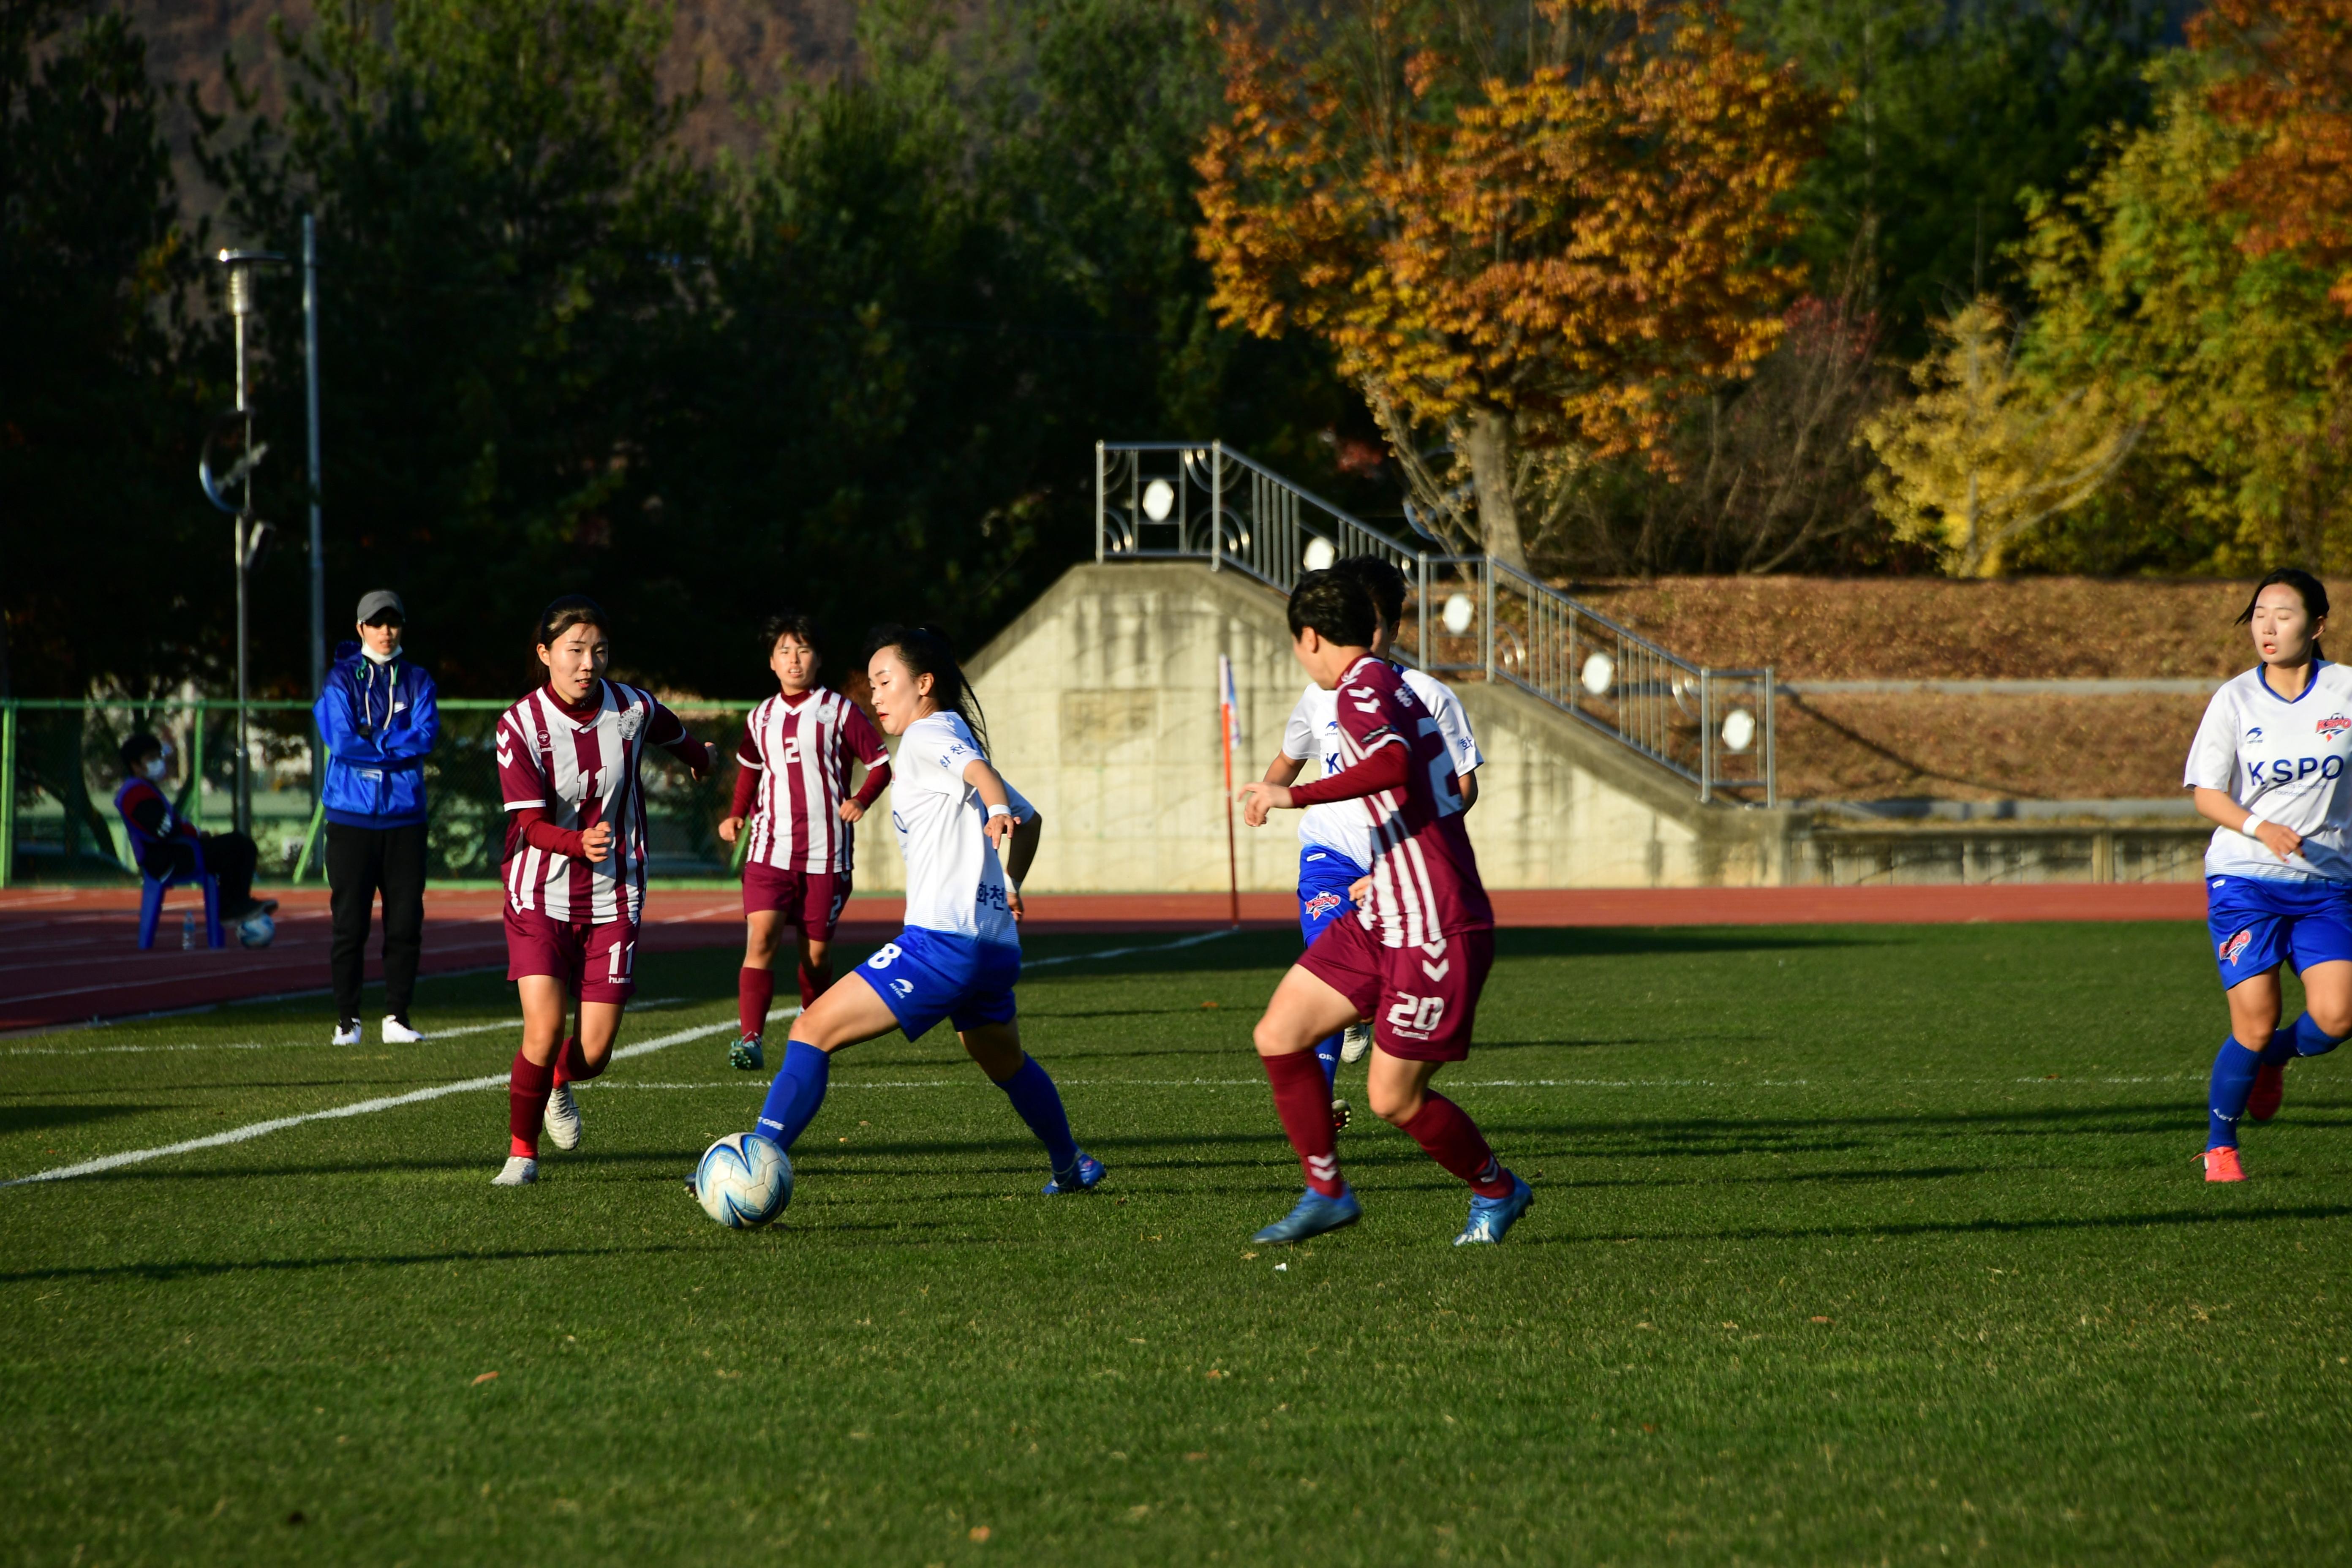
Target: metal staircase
1469,618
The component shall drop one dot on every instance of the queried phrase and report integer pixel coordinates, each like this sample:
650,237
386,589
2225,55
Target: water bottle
187,930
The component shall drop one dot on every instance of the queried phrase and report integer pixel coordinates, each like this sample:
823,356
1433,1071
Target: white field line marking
361,1108
389,1102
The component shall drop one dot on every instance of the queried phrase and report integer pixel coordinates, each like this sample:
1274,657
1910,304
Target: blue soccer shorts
923,976
2260,922
1324,876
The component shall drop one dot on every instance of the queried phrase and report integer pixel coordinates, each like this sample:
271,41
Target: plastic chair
151,900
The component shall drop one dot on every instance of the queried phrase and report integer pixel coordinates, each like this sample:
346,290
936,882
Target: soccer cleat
1082,1178
2222,1165
347,1033
1491,1218
520,1172
562,1118
1314,1214
746,1053
1355,1042
1340,1114
693,1188
2270,1088
396,1031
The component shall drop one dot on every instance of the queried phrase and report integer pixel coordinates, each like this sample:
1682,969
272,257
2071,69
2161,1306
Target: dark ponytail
2312,592
927,652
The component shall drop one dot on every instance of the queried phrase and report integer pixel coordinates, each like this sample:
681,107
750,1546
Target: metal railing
1467,617
59,772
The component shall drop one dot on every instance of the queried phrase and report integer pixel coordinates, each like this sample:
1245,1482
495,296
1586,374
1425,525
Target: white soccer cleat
396,1032
520,1172
1355,1042
562,1118
347,1033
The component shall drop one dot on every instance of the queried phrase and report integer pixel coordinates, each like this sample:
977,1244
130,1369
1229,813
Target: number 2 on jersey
1441,773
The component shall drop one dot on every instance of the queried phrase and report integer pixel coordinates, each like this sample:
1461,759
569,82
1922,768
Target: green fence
59,770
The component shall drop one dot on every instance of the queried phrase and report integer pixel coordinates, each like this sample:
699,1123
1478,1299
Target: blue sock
1326,1051
2308,1039
2282,1046
793,1096
2233,1081
1032,1094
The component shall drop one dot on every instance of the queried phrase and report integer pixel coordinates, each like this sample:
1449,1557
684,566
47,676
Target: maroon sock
1303,1100
1446,1132
527,1086
813,981
754,989
571,1064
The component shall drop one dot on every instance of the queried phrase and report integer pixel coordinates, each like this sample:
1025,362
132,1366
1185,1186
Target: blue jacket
379,722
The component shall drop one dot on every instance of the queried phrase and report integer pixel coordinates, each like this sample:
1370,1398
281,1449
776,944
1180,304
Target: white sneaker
1355,1042
562,1118
396,1033
520,1172
347,1033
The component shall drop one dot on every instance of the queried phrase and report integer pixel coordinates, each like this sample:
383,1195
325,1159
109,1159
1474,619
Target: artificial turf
1852,1245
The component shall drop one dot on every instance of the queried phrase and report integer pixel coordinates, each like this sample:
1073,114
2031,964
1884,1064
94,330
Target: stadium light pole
251,534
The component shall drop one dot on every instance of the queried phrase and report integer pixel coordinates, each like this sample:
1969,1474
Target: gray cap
376,603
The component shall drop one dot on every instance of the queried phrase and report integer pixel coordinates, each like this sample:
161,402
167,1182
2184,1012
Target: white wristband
2254,820
996,811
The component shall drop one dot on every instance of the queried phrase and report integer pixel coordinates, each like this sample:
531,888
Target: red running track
71,954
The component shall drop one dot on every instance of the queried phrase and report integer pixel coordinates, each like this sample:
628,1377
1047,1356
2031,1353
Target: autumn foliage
1545,242
2294,87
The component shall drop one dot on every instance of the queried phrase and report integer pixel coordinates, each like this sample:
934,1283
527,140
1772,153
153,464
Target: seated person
229,857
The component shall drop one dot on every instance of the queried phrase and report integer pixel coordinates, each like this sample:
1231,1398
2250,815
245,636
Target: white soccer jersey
2284,761
1313,734
582,773
954,881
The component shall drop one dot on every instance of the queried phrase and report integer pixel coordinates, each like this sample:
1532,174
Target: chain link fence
59,767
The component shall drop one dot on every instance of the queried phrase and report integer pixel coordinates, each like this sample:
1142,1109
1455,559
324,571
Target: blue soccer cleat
1083,1177
1491,1218
1314,1214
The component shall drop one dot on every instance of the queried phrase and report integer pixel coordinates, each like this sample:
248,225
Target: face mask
381,657
156,767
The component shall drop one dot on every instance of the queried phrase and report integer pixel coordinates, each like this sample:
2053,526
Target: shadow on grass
165,1273
39,1118
2169,1217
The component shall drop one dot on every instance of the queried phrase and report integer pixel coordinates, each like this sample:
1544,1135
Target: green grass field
1852,1245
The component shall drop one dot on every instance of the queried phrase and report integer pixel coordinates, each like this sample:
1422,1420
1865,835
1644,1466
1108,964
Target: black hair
792,622
1381,580
1336,605
928,652
137,747
568,611
2313,591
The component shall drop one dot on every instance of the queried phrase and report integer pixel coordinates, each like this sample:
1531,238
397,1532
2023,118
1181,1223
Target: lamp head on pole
240,265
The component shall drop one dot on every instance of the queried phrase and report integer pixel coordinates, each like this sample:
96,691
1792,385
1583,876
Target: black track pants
360,861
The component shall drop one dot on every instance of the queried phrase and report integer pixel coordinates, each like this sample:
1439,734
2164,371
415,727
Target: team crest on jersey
632,720
2237,945
1321,904
2334,724
2254,733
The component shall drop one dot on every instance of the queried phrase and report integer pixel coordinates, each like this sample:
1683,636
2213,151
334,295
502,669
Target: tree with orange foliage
2292,84
1538,230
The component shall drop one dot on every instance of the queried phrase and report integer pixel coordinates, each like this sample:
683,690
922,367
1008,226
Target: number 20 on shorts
1420,1015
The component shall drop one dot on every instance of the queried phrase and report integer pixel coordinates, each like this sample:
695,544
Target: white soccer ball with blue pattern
745,1181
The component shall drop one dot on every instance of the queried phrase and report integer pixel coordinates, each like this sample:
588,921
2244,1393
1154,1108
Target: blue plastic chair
151,900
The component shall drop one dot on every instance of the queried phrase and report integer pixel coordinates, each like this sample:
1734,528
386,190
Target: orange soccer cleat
2222,1165
2269,1087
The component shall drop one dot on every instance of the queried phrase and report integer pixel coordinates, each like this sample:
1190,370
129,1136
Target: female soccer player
1335,839
1416,957
2268,766
575,865
960,953
793,782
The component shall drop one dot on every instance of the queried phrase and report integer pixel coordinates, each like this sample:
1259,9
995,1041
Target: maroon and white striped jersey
1424,877
580,770
803,752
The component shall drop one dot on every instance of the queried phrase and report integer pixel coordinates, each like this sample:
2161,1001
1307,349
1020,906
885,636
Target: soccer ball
257,929
744,1180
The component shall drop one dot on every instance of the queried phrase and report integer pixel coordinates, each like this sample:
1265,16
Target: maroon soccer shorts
592,960
1422,1000
809,899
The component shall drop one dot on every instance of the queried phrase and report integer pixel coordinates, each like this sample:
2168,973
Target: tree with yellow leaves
1982,456
1538,231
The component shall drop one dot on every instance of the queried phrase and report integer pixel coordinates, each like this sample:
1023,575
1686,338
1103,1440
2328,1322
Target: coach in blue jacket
379,720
